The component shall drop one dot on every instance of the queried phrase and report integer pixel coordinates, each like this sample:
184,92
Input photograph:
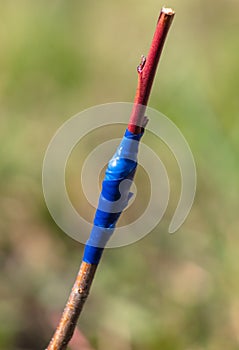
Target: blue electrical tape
114,196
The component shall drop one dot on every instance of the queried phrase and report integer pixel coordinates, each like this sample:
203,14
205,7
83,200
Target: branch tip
147,69
168,11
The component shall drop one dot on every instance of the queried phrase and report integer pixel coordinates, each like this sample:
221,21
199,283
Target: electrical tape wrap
114,196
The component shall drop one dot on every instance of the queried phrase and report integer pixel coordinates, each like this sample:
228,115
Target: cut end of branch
168,11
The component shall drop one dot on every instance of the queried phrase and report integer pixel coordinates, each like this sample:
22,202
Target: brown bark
73,307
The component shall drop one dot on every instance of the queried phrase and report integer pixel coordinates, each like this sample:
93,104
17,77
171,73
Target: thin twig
147,69
73,307
81,288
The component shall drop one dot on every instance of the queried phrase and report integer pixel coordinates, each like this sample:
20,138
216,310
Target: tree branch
147,69
146,73
75,303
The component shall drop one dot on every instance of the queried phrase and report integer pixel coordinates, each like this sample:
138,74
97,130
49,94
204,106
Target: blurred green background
57,58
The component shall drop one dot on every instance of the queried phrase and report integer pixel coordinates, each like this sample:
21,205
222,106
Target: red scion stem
147,69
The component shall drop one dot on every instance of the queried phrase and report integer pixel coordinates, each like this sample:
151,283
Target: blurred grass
169,292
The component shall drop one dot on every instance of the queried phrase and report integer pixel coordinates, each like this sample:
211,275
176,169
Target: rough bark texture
73,307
